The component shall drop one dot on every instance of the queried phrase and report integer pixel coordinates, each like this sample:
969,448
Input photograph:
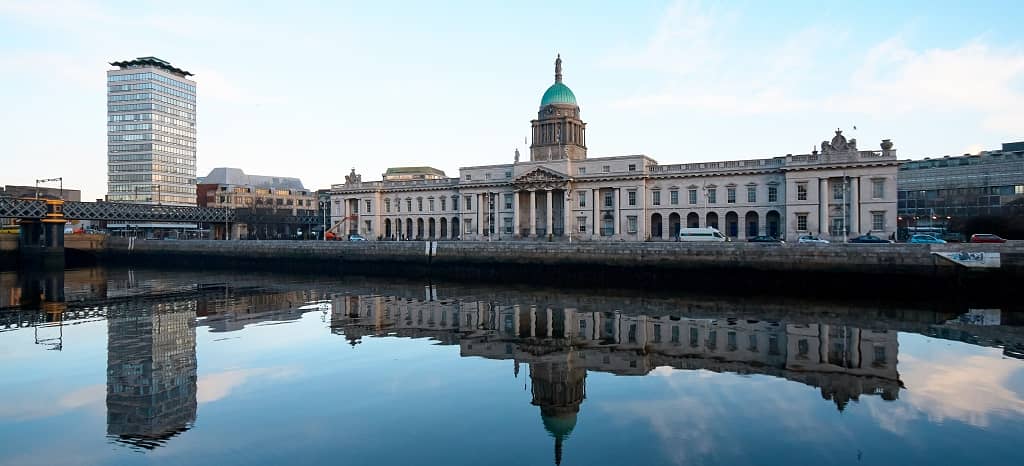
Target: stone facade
560,194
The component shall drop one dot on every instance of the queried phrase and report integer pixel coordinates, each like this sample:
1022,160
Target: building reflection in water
151,373
561,345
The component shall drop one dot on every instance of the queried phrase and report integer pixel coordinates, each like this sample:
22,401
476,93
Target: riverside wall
722,266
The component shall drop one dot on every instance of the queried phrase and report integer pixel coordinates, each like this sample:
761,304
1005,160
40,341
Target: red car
986,238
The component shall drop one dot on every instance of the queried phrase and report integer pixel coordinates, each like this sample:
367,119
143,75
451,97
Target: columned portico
823,207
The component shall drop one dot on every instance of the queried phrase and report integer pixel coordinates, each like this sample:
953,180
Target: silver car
812,239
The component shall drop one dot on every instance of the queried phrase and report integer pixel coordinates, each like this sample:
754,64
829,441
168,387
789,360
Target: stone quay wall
724,266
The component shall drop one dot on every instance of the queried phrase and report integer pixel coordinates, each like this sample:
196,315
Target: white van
701,234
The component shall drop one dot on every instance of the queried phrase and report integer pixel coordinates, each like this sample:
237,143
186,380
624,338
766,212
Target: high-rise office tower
151,133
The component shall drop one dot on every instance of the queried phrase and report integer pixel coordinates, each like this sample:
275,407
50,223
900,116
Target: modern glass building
151,133
938,191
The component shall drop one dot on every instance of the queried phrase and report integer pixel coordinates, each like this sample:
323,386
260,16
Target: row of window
151,158
189,133
840,190
151,117
152,167
154,178
158,197
604,169
152,188
151,77
151,96
149,106
153,87
150,137
151,147
877,222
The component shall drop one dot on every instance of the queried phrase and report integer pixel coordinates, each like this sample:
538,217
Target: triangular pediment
541,175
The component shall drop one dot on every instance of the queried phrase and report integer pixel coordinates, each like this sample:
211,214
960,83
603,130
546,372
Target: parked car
986,238
870,239
811,239
356,237
925,239
701,234
765,239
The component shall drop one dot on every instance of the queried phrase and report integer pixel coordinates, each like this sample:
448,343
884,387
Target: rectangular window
632,167
508,201
469,226
487,176
444,204
773,345
730,195
581,170
878,221
582,222
656,197
692,196
582,195
801,222
387,205
694,337
837,192
631,197
430,204
455,202
801,191
752,343
508,173
675,334
673,197
751,193
657,333
608,199
469,202
712,195
877,189
606,168
631,224
773,194
408,205
419,204
508,225
469,177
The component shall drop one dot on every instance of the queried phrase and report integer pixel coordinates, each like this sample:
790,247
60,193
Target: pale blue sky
311,89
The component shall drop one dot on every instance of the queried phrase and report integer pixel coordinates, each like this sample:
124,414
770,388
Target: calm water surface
145,367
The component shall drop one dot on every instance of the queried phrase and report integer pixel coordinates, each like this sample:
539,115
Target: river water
121,366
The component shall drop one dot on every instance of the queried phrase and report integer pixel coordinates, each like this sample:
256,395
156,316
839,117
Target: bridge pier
41,241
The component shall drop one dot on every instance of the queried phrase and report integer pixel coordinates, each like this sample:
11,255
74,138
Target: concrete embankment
725,266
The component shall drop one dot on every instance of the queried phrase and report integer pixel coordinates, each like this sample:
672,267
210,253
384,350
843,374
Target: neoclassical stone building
561,194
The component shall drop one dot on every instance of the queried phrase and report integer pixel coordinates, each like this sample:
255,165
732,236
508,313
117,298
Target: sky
314,89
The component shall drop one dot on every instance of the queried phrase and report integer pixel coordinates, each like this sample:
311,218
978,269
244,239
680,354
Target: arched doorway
732,224
673,225
419,228
444,228
772,221
387,228
712,220
607,225
692,220
431,228
408,228
751,221
656,226
455,227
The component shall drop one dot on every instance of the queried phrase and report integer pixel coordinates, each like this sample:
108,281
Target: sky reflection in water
272,370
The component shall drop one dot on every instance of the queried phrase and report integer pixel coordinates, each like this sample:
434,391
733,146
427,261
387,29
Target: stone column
567,213
855,206
479,215
549,213
515,214
594,199
618,211
533,213
823,206
533,321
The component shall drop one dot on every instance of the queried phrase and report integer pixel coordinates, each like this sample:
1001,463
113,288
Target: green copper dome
558,93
